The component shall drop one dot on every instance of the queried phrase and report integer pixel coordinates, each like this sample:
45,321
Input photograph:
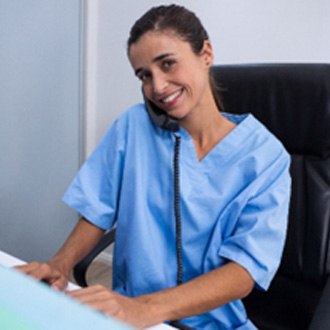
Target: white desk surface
8,260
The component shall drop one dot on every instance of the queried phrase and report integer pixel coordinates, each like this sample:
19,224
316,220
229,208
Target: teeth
171,97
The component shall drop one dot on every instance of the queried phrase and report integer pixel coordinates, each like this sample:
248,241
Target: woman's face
173,76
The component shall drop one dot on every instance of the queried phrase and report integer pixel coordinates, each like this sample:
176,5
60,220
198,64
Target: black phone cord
177,213
178,226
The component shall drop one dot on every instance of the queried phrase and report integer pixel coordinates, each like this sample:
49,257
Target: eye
168,64
144,76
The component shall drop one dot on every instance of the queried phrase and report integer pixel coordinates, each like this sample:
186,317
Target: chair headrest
292,100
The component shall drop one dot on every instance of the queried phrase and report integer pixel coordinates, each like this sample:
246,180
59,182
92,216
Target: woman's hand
202,294
56,271
133,311
47,272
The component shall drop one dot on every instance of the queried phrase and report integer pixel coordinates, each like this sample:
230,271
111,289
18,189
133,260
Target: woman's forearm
82,239
211,290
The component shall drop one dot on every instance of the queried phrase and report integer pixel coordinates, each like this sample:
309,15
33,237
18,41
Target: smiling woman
180,23
173,77
196,194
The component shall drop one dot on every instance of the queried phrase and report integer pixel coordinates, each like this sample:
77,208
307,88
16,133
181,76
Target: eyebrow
156,59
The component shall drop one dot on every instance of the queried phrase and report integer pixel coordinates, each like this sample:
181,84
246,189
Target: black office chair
293,101
80,270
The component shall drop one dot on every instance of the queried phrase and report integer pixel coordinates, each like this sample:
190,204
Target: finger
26,267
87,291
32,269
59,284
92,295
107,305
43,272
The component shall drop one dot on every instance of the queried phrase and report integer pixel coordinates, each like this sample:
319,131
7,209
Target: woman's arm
202,294
56,271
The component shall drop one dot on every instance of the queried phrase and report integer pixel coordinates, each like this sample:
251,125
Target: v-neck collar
245,124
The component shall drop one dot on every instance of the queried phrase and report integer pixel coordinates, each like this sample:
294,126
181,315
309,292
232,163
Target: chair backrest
293,101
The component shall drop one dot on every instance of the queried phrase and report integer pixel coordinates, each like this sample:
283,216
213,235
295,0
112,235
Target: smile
169,99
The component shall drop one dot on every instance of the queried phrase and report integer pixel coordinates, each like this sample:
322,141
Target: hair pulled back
173,17
184,23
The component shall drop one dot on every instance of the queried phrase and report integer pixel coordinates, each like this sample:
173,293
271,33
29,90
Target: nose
159,83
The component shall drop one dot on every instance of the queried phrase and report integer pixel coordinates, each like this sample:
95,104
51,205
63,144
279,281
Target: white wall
40,103
242,31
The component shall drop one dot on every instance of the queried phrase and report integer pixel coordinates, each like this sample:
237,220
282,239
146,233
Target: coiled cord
177,213
178,225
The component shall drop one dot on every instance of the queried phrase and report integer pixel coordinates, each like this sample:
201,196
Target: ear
207,53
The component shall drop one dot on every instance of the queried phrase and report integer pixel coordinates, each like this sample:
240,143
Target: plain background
40,125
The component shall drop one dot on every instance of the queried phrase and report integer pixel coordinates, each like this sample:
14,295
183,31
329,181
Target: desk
73,315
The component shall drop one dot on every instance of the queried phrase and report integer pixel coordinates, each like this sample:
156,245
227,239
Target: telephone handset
159,117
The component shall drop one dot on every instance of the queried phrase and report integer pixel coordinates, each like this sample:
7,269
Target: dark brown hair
184,23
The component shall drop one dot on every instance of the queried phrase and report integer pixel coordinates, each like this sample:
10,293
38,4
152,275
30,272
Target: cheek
201,81
193,76
147,91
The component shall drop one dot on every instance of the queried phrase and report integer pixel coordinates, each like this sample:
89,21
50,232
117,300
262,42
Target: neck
202,120
207,128
203,116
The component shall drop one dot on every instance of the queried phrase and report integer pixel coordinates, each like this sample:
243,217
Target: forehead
155,43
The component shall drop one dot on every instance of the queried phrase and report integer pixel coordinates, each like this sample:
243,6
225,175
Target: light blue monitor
26,304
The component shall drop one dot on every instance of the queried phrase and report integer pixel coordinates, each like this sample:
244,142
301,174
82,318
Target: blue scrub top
234,206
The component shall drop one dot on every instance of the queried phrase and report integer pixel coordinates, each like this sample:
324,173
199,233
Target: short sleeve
258,239
94,190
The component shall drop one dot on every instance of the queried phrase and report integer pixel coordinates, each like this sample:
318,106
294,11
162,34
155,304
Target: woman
199,197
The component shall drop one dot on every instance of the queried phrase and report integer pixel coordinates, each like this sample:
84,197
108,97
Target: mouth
171,99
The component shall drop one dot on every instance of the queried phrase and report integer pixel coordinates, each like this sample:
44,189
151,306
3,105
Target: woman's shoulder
135,112
251,136
249,125
134,116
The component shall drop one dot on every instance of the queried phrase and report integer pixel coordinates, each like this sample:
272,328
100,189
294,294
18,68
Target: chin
177,112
